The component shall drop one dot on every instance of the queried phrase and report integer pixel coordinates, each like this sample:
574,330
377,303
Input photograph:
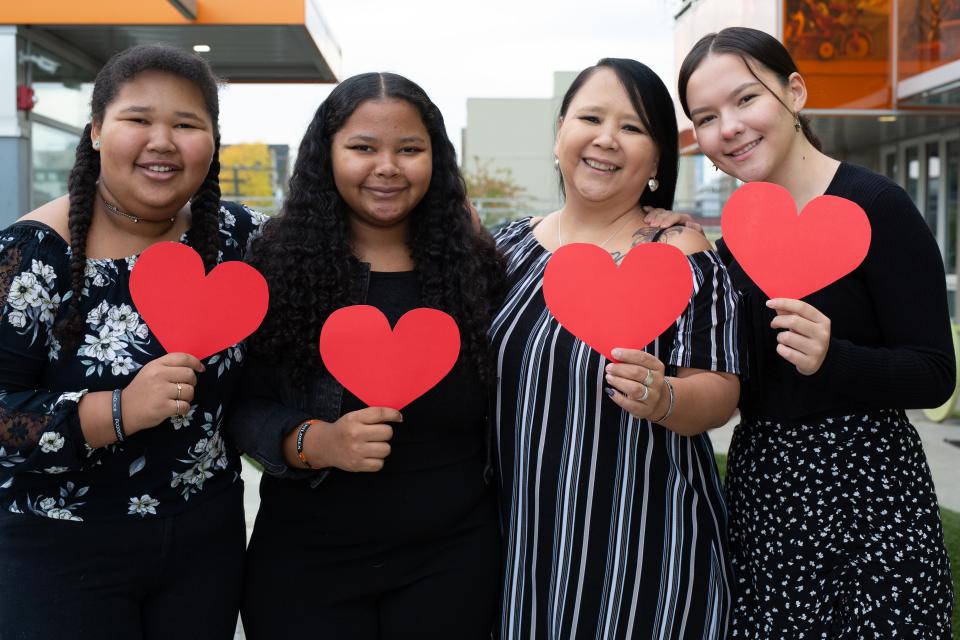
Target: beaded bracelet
669,406
117,416
301,432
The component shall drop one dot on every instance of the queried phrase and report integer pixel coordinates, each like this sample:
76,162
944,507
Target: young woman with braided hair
121,511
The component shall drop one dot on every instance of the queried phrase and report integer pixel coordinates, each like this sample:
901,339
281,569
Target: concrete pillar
14,135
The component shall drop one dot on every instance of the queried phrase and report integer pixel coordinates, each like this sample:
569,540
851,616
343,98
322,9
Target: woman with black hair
372,524
834,526
613,514
121,512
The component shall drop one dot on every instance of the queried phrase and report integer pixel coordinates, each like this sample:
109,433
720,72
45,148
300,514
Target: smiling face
382,162
156,145
739,123
604,150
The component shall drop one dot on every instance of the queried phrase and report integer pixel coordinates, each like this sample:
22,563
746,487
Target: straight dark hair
747,44
653,104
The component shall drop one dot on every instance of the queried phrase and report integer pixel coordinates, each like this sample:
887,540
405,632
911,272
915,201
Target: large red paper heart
384,367
789,255
191,312
608,307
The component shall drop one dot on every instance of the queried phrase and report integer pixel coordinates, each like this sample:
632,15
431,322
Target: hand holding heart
151,397
806,338
358,441
627,378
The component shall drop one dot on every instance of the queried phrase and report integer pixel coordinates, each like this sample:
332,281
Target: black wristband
117,416
302,431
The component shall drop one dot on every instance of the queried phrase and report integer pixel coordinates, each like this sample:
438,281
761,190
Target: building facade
51,51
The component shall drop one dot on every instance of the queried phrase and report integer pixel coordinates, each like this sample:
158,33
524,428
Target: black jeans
441,589
138,579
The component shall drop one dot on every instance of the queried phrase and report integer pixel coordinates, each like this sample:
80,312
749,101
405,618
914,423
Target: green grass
951,534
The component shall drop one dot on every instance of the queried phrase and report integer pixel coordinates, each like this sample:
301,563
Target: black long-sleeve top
890,346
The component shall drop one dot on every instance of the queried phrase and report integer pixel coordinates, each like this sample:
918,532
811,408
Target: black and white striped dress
614,527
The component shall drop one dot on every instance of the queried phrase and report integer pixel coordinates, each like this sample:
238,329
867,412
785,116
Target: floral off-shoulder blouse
46,467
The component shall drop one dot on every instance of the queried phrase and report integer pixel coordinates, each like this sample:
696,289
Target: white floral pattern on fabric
40,436
51,442
143,505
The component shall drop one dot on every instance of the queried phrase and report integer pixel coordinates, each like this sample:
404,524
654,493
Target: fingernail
608,367
608,391
616,353
608,377
769,303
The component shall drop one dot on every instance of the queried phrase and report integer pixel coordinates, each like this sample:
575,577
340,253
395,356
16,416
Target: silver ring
649,379
646,394
179,388
179,415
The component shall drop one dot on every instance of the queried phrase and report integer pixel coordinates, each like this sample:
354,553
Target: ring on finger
179,413
179,389
646,394
649,379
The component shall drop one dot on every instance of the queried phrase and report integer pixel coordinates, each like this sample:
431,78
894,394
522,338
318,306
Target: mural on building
843,49
929,34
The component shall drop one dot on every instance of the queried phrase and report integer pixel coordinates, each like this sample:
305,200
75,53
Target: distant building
255,174
517,134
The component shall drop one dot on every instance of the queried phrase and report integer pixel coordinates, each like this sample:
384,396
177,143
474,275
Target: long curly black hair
204,233
306,256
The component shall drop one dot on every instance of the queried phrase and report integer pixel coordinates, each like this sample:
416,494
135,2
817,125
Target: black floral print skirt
835,531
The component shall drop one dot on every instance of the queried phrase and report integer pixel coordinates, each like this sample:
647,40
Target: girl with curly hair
373,523
121,510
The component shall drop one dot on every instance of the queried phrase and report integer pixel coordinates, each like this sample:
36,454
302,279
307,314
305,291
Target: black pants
162,578
445,588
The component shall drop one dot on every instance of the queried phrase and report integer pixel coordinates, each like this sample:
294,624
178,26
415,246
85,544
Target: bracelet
301,432
669,406
117,416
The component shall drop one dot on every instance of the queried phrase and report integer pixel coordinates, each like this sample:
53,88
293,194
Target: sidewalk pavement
943,457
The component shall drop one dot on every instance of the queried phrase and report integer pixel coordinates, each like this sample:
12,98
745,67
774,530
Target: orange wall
134,12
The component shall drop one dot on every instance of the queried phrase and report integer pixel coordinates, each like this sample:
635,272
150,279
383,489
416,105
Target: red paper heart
790,255
191,312
608,307
384,367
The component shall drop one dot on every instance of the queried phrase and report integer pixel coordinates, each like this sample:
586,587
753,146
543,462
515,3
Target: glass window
952,177
890,166
911,159
931,209
58,85
52,152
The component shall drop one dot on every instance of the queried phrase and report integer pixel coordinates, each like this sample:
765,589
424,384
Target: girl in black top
380,525
834,525
133,529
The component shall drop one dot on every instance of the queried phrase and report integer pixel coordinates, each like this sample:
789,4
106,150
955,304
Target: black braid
204,234
82,187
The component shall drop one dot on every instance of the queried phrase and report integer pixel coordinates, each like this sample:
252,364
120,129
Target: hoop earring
716,168
653,183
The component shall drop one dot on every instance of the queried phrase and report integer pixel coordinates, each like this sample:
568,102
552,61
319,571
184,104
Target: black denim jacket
270,404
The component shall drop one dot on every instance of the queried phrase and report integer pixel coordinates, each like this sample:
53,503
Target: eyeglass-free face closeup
739,123
382,162
155,143
602,145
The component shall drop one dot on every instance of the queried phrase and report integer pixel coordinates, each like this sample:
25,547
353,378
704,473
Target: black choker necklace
118,212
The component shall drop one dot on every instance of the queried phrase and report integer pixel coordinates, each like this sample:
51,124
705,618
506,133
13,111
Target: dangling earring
96,144
796,122
653,183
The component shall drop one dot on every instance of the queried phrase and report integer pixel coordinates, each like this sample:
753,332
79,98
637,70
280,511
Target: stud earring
556,162
96,144
653,183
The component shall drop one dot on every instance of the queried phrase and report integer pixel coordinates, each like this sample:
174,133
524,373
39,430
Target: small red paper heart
791,255
384,367
193,312
609,307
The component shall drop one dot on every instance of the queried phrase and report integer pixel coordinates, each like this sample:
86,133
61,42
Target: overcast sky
458,49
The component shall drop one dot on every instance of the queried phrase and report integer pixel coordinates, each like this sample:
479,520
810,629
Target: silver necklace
602,244
115,210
